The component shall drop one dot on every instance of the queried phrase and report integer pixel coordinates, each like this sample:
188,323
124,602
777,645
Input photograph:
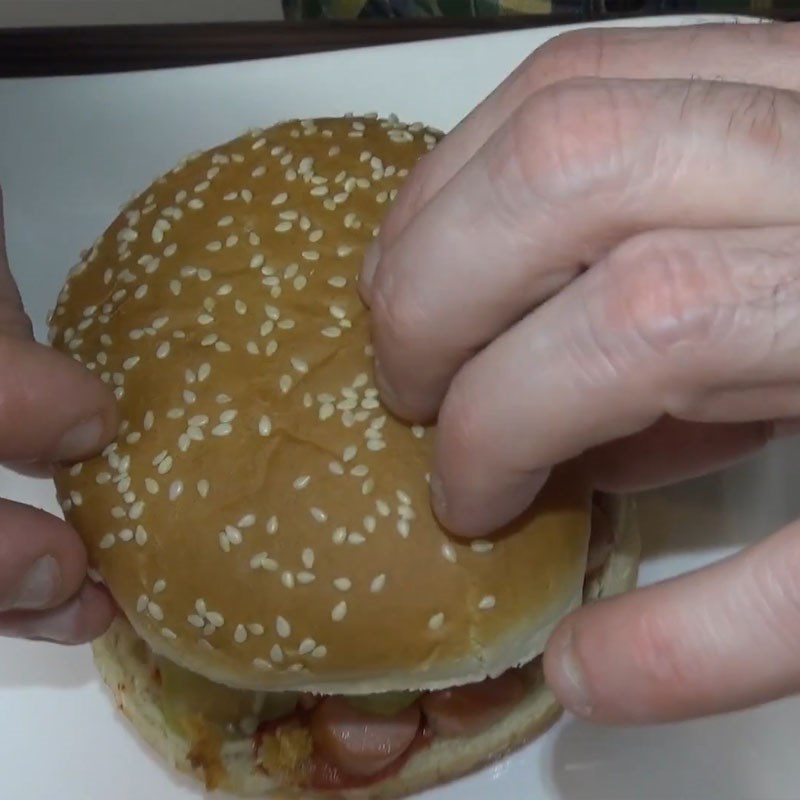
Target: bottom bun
122,661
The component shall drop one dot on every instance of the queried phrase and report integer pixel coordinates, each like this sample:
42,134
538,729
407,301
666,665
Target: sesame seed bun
261,519
119,658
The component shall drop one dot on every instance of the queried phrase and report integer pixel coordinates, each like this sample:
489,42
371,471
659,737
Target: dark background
309,26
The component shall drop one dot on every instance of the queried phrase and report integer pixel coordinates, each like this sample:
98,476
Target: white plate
71,151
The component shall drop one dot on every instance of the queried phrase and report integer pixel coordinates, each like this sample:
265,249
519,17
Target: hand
603,259
51,410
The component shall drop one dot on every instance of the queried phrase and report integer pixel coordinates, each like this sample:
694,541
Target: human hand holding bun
51,410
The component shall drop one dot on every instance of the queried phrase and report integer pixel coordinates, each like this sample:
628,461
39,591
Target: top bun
261,519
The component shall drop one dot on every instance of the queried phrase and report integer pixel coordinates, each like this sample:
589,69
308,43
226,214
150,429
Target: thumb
722,638
51,408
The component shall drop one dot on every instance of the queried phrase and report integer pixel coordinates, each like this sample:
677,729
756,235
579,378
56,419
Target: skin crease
601,261
44,592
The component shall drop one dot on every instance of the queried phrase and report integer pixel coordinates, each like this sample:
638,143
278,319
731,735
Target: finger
42,559
672,450
702,326
755,54
719,639
81,619
51,408
577,169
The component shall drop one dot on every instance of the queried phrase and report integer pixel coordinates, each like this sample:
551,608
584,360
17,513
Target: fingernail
571,683
39,585
784,428
438,498
80,440
371,259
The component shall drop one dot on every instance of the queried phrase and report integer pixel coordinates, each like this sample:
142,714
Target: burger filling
330,742
342,742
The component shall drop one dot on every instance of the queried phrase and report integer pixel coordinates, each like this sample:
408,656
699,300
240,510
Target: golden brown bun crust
126,674
260,519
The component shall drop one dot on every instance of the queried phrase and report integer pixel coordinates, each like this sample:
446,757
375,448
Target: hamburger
293,618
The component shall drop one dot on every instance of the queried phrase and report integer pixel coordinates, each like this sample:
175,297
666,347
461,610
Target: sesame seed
318,514
336,468
436,621
299,364
349,453
280,198
154,610
339,611
276,653
403,497
136,509
449,553
195,620
355,538
203,487
200,606
481,546
272,525
215,618
367,486
487,602
301,482
343,584
360,471
331,332
305,577
140,536
223,429
255,628
369,524
287,579
340,535
165,466
383,508
264,425
234,534
107,542
320,651
159,586
168,633
306,646
240,634
247,521
403,528
283,628
260,663
377,583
